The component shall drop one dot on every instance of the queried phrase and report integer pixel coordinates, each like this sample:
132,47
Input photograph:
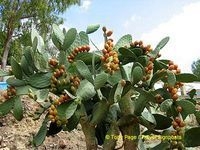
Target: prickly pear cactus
111,91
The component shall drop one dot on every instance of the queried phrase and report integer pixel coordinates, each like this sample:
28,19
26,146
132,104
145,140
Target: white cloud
85,4
130,21
184,32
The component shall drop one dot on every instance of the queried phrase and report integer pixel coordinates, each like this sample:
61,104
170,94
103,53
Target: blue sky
148,20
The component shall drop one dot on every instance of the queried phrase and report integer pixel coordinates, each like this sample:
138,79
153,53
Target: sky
147,20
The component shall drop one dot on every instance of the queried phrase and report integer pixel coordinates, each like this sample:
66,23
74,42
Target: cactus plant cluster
110,91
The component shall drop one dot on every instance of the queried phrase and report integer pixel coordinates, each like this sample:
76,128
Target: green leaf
6,106
149,117
192,93
158,76
159,65
127,53
40,45
56,42
62,58
41,62
162,122
113,113
15,82
163,92
72,122
34,33
69,38
143,60
166,105
27,69
146,123
197,115
16,68
115,78
84,70
3,73
40,80
42,95
123,42
169,107
53,129
58,33
125,72
111,96
67,109
136,74
99,112
39,138
171,78
84,38
191,137
28,53
18,109
37,40
92,28
87,58
76,43
186,77
160,45
85,90
137,51
141,101
35,43
187,106
24,90
100,80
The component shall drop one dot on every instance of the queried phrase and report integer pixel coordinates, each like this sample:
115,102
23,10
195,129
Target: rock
79,128
62,144
1,139
3,145
1,124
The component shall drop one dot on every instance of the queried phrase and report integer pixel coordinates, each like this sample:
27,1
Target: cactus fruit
75,82
173,67
80,49
174,90
10,92
52,112
110,58
146,49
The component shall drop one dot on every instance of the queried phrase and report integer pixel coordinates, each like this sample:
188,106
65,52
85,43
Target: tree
17,14
196,67
111,91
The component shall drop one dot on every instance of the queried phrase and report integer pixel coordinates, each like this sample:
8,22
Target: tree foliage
17,17
196,67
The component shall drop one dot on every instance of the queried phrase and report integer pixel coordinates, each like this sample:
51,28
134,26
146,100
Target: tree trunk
88,130
6,48
130,135
130,128
111,137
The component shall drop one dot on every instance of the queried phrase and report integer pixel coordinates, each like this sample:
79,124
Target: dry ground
17,135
